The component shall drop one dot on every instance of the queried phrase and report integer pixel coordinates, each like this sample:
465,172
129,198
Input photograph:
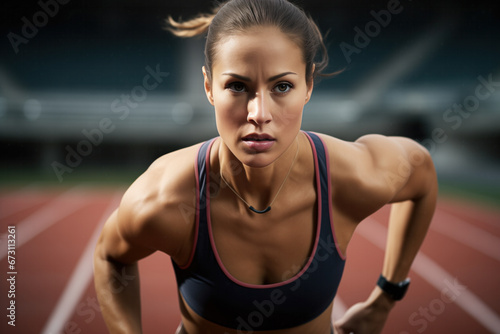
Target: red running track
454,278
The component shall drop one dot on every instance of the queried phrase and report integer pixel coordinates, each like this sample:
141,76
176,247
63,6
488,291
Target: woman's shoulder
366,155
169,179
344,155
161,200
171,168
369,172
357,182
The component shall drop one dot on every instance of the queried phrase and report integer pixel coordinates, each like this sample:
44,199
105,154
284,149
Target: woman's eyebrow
280,75
243,78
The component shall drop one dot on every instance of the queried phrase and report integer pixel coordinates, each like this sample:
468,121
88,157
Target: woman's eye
237,87
283,87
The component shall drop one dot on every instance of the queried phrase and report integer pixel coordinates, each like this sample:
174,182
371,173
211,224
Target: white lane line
339,308
60,207
439,278
487,216
13,209
6,211
467,234
80,279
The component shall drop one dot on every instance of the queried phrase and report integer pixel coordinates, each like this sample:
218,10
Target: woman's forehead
262,47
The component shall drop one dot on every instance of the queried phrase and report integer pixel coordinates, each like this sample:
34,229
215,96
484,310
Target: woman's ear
208,86
310,84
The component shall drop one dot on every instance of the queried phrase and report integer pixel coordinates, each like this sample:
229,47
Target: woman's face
259,90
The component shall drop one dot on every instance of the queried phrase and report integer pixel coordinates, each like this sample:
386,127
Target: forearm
408,225
118,292
413,193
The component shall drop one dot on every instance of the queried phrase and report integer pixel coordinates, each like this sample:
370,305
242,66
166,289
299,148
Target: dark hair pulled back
236,16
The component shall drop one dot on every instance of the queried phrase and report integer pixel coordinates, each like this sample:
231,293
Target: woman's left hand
363,318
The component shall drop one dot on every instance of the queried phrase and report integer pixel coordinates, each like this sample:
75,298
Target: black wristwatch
395,290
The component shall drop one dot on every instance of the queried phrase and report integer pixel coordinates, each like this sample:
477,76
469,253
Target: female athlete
258,220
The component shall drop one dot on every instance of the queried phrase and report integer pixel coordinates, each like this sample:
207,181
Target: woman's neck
258,186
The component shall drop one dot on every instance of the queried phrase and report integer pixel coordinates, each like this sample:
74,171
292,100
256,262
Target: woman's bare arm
150,218
116,278
406,178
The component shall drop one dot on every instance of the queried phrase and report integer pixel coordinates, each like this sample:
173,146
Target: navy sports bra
211,291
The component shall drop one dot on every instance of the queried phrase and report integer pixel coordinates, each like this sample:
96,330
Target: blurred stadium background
91,92
67,66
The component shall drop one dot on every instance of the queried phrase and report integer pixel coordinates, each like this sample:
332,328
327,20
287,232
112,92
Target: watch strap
395,290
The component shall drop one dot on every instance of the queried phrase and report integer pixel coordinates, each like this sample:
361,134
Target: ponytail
191,28
234,16
194,27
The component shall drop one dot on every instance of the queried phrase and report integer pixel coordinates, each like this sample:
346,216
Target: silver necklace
274,199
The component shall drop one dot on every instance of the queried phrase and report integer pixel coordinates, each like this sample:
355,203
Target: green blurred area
106,178
488,195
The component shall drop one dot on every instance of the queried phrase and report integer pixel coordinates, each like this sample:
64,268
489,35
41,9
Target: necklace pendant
259,211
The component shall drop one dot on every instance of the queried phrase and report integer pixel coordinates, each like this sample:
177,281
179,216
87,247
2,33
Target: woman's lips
259,142
259,146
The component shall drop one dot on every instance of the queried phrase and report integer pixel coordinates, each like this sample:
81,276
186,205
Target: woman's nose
259,109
